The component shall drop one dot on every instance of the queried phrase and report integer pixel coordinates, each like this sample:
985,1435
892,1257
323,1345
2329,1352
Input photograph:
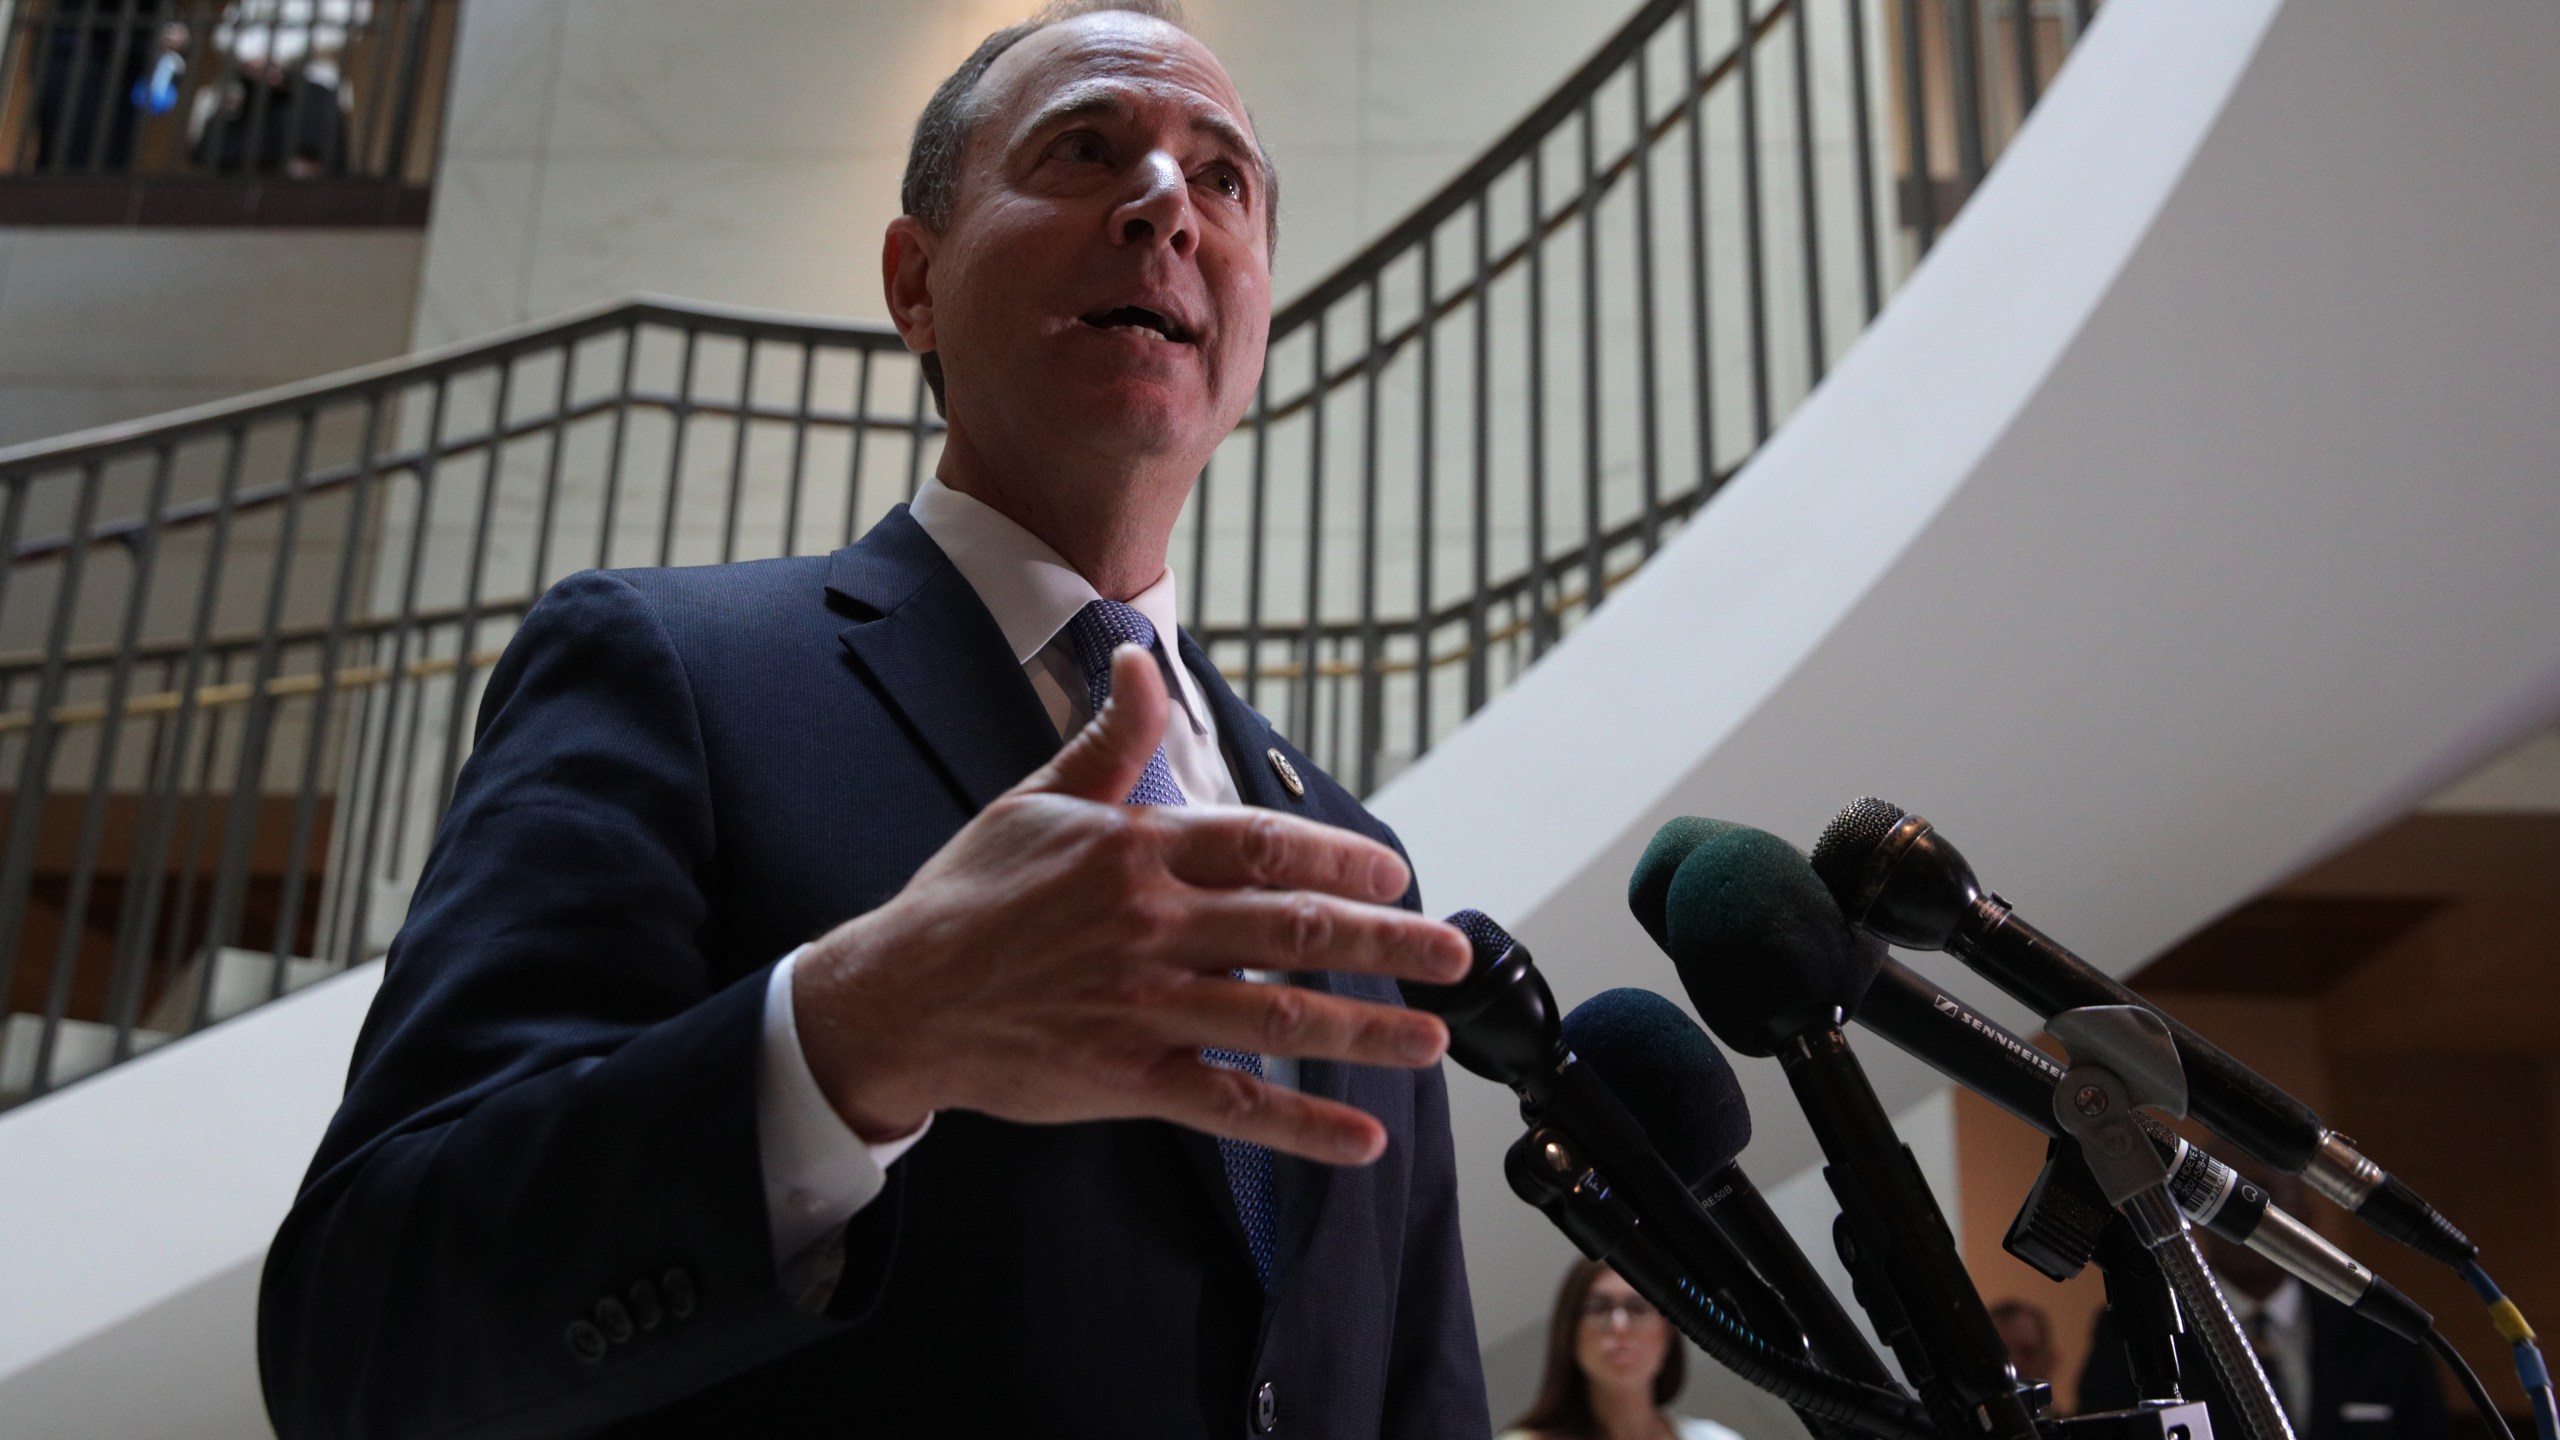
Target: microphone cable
2530,1369
2471,1386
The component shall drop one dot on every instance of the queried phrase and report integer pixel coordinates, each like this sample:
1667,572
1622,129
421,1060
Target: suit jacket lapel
937,656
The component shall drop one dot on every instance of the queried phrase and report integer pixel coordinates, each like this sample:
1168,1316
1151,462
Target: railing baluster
110,104
607,504
1424,532
1862,146
682,412
1701,298
1915,119
1537,402
1648,427
1964,85
799,448
1594,563
1480,514
915,435
404,104
59,160
1253,551
738,454
1308,656
1755,288
861,433
561,401
1372,714
1199,581
466,636
2022,35
1809,206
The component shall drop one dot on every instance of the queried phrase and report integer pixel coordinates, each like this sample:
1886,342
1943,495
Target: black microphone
1503,1026
1978,1053
1774,969
1546,1167
1896,878
1679,1087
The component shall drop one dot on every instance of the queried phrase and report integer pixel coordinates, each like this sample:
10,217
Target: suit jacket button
586,1341
613,1320
1266,1408
644,1305
676,1288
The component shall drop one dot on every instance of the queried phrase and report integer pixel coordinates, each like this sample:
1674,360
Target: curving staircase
2100,544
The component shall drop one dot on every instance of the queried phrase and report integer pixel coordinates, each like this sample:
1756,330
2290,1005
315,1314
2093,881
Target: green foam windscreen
1759,942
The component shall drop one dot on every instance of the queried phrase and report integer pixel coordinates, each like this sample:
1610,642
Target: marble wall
100,325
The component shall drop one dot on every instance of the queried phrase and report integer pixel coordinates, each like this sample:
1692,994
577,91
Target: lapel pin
1288,773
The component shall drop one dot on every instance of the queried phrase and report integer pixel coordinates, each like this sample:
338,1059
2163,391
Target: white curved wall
2193,509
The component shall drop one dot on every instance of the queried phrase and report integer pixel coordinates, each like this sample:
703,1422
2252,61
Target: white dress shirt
2287,1356
817,1172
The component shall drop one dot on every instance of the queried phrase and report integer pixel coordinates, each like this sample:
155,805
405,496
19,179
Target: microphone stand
2125,1058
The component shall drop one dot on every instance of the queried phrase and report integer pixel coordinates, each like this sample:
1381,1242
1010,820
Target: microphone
1774,969
1547,1168
1979,1054
1679,1087
1900,881
1503,1026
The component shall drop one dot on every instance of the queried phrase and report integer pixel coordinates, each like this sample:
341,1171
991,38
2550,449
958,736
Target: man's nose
1159,212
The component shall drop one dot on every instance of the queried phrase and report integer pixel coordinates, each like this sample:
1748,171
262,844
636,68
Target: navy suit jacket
540,1208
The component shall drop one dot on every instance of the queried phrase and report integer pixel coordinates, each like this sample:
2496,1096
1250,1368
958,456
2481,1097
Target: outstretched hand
1067,957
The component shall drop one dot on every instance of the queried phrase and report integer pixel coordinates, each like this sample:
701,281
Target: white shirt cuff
817,1172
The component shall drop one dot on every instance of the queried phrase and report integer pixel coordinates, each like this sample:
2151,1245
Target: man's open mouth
1138,317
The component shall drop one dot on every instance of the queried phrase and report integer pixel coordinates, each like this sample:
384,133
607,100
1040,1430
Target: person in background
93,54
2338,1377
2028,1332
1612,1365
283,107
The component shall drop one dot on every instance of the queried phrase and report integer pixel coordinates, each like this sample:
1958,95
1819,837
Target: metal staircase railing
240,645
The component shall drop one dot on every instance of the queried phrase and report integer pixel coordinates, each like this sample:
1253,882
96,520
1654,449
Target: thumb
1105,759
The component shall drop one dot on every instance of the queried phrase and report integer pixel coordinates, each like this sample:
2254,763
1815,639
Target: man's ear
906,263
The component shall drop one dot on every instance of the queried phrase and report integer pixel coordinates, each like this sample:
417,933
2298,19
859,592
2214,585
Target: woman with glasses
1612,1364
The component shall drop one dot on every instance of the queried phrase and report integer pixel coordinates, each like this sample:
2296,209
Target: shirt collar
1030,590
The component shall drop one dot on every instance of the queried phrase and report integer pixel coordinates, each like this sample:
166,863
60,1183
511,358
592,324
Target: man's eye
1227,181
1082,147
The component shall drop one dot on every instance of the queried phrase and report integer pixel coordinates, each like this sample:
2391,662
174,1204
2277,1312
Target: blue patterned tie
1097,630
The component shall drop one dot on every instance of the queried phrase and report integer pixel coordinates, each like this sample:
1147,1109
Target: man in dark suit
2338,1377
1099,1115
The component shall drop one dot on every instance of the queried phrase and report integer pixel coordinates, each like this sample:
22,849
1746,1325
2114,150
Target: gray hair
931,189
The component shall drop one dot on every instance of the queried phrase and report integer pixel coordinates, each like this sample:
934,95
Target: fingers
1301,930
1189,1091
1305,1025
1230,846
1104,760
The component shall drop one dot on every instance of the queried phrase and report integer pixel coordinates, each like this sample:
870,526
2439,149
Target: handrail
261,625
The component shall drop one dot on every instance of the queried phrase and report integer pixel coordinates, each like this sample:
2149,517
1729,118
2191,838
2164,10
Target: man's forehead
1104,60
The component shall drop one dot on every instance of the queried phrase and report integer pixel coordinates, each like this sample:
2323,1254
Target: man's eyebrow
1103,97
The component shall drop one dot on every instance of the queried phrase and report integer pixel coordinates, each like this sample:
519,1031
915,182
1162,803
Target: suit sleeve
540,1206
